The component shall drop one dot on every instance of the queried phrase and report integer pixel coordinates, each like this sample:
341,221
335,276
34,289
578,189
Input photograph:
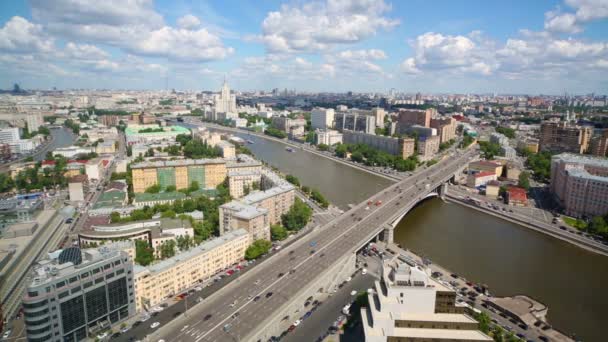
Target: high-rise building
408,305
9,135
208,173
34,121
446,128
355,121
564,137
379,114
322,118
403,147
599,143
580,184
225,102
428,147
76,293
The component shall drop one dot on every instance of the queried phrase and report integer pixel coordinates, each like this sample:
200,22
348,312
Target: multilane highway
235,312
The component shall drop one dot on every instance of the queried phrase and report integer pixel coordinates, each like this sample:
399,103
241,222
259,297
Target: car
353,292
269,294
115,335
137,323
155,325
364,271
6,334
280,275
349,279
124,330
543,338
454,275
198,289
296,323
144,318
235,315
312,252
207,317
256,298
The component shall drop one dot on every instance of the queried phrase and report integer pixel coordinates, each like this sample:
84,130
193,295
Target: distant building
580,184
428,147
599,143
77,293
355,121
225,102
475,180
492,189
483,165
508,151
328,137
241,183
402,147
408,305
561,137
294,127
516,196
18,209
34,121
153,133
529,144
379,114
420,131
499,138
77,187
322,118
410,117
228,149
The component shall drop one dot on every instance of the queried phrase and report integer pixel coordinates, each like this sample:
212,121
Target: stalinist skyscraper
225,102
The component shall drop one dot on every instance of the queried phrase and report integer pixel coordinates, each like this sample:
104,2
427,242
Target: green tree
341,150
484,322
297,217
323,147
257,249
6,182
598,226
489,150
167,249
168,214
293,180
144,254
466,141
170,188
184,242
524,180
194,186
508,132
154,189
540,164
278,232
319,198
115,217
273,132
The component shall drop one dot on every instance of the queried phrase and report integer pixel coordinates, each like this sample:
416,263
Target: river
62,137
509,258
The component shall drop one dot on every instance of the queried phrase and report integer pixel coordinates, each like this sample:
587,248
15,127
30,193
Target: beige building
208,173
446,128
492,189
483,165
410,117
403,147
564,137
580,184
529,144
207,137
168,278
228,149
328,137
411,306
379,114
237,215
428,147
241,183
599,143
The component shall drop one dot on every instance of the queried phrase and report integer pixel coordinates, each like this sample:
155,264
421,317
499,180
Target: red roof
48,162
484,174
105,162
517,194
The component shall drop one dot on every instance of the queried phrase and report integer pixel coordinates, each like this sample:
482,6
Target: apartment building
357,121
322,118
228,149
379,114
153,133
208,173
446,128
499,138
286,124
75,293
599,143
408,305
169,277
241,183
428,147
411,117
564,137
482,165
403,147
580,184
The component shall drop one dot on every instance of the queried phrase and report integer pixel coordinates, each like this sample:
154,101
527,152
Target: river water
62,138
508,258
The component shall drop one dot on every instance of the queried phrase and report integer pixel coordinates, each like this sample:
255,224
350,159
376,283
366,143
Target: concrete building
403,147
420,131
379,114
328,137
599,143
322,118
477,179
355,121
561,137
106,147
508,151
76,293
428,147
72,151
516,196
77,187
294,127
236,215
580,184
19,209
492,189
408,305
224,102
446,128
9,135
93,168
207,137
146,134
483,165
228,149
169,277
34,121
499,138
410,117
529,144
241,183
208,173
155,232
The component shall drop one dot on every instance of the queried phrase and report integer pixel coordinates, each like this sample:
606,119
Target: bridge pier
442,190
388,234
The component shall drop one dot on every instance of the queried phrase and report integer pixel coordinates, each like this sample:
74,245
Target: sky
469,46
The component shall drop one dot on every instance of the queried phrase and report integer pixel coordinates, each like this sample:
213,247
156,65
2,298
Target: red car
230,272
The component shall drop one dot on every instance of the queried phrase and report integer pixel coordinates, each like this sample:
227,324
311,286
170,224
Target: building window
96,303
72,314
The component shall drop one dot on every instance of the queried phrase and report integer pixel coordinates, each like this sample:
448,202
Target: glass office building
78,293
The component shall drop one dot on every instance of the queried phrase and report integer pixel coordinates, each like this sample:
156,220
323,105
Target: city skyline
547,47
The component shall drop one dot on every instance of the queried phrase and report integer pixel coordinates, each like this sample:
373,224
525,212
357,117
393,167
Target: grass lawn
576,223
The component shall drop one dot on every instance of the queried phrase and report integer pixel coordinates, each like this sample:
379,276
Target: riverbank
298,146
536,225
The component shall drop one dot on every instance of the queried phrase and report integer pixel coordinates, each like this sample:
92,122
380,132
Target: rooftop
178,162
168,130
161,196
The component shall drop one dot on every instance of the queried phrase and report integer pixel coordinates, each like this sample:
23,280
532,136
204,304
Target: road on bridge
235,313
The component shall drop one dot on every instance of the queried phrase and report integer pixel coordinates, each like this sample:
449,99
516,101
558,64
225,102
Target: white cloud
84,51
318,26
188,22
21,36
585,11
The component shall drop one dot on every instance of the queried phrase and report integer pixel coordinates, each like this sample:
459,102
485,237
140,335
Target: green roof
204,192
110,199
168,130
162,196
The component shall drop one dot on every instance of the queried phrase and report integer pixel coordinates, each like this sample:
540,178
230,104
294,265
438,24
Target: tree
293,180
598,226
489,149
257,248
484,321
466,141
6,182
508,132
184,242
305,189
167,249
318,197
273,132
168,214
310,137
524,180
278,232
154,189
115,217
540,164
170,188
194,186
44,131
323,147
144,254
297,217
341,150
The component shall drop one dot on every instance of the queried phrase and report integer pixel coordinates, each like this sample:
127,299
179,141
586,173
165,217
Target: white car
349,279
353,292
124,330
364,271
6,334
103,335
144,318
155,325
296,323
198,289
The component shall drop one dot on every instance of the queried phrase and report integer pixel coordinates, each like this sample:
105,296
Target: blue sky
328,45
